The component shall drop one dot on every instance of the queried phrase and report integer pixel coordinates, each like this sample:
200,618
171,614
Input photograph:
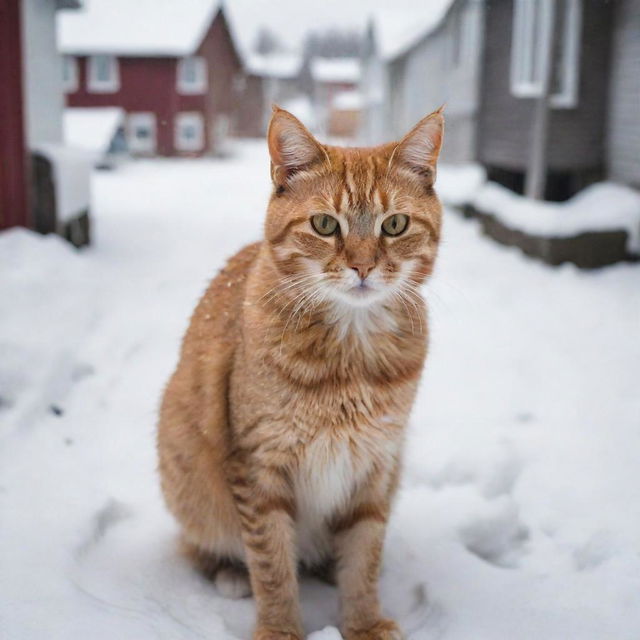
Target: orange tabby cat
281,430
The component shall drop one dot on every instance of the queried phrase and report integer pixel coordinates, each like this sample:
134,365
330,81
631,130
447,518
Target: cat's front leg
267,513
359,540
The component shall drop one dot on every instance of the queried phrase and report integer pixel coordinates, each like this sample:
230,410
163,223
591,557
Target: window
141,132
104,76
192,75
69,74
189,131
532,51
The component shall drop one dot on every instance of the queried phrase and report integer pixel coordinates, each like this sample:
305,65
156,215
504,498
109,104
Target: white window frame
197,85
100,85
567,96
69,74
524,57
145,119
189,118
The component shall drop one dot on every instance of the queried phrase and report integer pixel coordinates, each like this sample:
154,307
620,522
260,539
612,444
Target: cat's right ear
291,146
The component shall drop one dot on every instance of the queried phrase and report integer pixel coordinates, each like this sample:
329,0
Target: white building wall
44,97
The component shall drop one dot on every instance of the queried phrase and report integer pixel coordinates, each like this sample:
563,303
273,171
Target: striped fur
280,433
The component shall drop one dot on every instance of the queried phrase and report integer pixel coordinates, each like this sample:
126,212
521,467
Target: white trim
69,74
191,85
141,120
193,121
567,96
530,46
102,85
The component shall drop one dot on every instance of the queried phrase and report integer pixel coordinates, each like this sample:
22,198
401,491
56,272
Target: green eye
394,225
324,224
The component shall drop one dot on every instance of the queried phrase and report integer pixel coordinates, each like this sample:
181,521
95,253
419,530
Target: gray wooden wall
576,135
623,143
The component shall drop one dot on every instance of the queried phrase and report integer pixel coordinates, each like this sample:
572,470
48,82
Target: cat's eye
324,224
394,225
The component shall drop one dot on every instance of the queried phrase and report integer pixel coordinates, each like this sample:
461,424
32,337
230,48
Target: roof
396,31
91,128
335,69
136,27
278,65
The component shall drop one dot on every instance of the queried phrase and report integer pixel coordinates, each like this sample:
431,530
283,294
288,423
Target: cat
281,431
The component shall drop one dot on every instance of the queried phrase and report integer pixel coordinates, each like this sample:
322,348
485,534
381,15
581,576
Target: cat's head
354,226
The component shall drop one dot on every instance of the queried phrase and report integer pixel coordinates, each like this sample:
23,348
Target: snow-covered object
326,70
277,65
136,27
72,175
91,128
348,101
457,185
397,30
604,206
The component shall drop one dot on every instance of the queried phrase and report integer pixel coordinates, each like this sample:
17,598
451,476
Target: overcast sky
290,19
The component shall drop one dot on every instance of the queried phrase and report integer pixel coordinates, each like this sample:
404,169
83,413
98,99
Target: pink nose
363,269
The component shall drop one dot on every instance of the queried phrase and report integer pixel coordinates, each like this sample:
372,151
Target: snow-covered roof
335,69
348,101
278,65
136,27
91,128
396,31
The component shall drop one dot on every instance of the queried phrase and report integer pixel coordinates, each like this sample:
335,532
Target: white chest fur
327,478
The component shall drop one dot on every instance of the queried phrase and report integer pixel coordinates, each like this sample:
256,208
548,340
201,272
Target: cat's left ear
292,147
418,151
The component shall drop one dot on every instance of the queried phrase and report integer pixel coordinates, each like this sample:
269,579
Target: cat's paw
272,634
384,629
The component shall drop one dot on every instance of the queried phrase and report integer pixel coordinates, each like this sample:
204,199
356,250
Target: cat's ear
291,146
418,151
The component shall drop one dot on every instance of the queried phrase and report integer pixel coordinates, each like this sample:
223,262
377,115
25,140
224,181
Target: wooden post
536,178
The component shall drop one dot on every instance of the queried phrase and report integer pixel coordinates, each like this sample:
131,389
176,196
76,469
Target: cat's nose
362,268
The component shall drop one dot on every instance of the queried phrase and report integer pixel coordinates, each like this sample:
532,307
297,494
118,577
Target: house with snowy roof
325,78
44,181
413,62
269,79
173,68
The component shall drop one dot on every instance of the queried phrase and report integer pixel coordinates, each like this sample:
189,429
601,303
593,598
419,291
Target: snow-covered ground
519,514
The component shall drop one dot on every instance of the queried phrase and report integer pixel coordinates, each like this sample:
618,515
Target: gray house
522,39
415,63
622,154
546,85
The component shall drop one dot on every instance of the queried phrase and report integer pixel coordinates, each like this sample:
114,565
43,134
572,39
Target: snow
277,65
517,514
348,101
72,177
604,206
139,28
343,70
397,30
91,128
458,184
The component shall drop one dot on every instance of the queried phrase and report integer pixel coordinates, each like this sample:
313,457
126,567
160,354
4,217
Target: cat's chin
361,297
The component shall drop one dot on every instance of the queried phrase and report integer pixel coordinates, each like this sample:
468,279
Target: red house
171,65
44,183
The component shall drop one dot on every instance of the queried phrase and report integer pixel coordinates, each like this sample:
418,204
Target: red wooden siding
13,157
149,84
